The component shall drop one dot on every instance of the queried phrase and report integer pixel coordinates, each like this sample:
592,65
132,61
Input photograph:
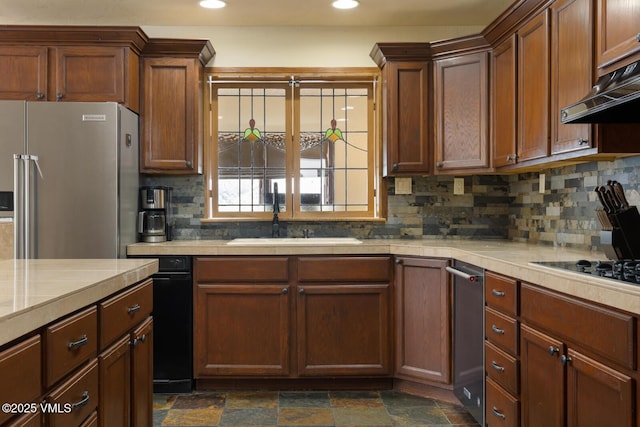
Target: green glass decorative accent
252,133
333,134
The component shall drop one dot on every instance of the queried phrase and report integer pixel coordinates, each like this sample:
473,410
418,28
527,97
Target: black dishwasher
173,325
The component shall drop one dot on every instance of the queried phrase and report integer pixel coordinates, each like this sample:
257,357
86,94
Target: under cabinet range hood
615,98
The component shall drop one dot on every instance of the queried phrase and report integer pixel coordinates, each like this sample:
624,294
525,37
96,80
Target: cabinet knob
285,291
583,141
509,158
638,37
40,95
398,261
565,359
301,291
188,164
438,164
553,350
59,96
394,167
564,114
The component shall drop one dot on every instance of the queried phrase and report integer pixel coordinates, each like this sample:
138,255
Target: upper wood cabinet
462,113
571,70
533,88
71,64
406,143
172,106
503,105
617,34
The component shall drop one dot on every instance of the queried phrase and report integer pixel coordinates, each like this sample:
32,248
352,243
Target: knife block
623,242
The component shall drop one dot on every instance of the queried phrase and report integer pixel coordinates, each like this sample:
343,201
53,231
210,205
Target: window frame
308,78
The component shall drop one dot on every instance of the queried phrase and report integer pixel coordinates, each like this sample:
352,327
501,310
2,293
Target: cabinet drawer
69,343
20,366
501,367
27,420
502,410
122,312
79,394
501,330
604,332
242,269
501,293
344,269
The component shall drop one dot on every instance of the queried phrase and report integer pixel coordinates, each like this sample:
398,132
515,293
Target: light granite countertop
505,257
38,291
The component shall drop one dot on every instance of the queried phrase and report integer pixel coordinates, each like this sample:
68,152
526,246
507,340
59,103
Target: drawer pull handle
498,413
133,309
497,367
81,402
497,330
75,344
497,293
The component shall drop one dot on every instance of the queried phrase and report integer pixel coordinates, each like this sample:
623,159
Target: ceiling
251,13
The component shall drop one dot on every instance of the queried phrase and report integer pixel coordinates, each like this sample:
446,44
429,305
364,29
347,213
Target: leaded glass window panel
314,138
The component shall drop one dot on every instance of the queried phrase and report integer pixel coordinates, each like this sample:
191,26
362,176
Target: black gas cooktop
625,270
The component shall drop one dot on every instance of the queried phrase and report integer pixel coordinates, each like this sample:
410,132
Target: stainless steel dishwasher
468,337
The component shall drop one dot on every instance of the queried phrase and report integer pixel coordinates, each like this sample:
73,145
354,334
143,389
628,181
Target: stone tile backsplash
493,207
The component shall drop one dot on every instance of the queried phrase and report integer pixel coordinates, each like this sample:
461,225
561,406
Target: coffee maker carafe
153,221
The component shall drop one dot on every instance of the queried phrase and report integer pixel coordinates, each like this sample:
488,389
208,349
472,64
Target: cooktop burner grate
624,270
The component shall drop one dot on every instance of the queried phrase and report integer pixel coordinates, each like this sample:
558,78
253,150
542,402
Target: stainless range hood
615,98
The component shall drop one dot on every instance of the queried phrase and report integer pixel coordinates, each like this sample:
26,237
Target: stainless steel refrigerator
69,177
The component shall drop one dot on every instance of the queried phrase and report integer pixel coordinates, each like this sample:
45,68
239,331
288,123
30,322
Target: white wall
302,46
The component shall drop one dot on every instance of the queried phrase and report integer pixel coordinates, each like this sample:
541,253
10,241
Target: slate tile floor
306,408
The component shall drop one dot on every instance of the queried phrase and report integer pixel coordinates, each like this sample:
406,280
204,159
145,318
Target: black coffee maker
153,217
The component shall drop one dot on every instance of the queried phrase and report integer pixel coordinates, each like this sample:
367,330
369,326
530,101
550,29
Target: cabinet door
503,90
343,329
142,375
115,384
406,142
533,88
171,135
89,74
243,329
24,72
597,395
423,320
571,70
617,33
461,112
542,379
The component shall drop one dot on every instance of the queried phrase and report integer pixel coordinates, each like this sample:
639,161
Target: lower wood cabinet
288,317
126,364
343,329
242,329
423,320
92,367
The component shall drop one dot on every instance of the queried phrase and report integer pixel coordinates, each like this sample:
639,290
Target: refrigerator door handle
35,160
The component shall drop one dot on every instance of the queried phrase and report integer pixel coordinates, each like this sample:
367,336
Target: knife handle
619,191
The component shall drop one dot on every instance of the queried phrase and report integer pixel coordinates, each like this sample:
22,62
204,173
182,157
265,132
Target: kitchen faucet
275,223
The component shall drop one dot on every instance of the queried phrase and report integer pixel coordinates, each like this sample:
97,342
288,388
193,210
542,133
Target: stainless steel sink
295,241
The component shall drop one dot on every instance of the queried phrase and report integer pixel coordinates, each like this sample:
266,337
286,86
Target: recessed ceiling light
213,4
345,4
